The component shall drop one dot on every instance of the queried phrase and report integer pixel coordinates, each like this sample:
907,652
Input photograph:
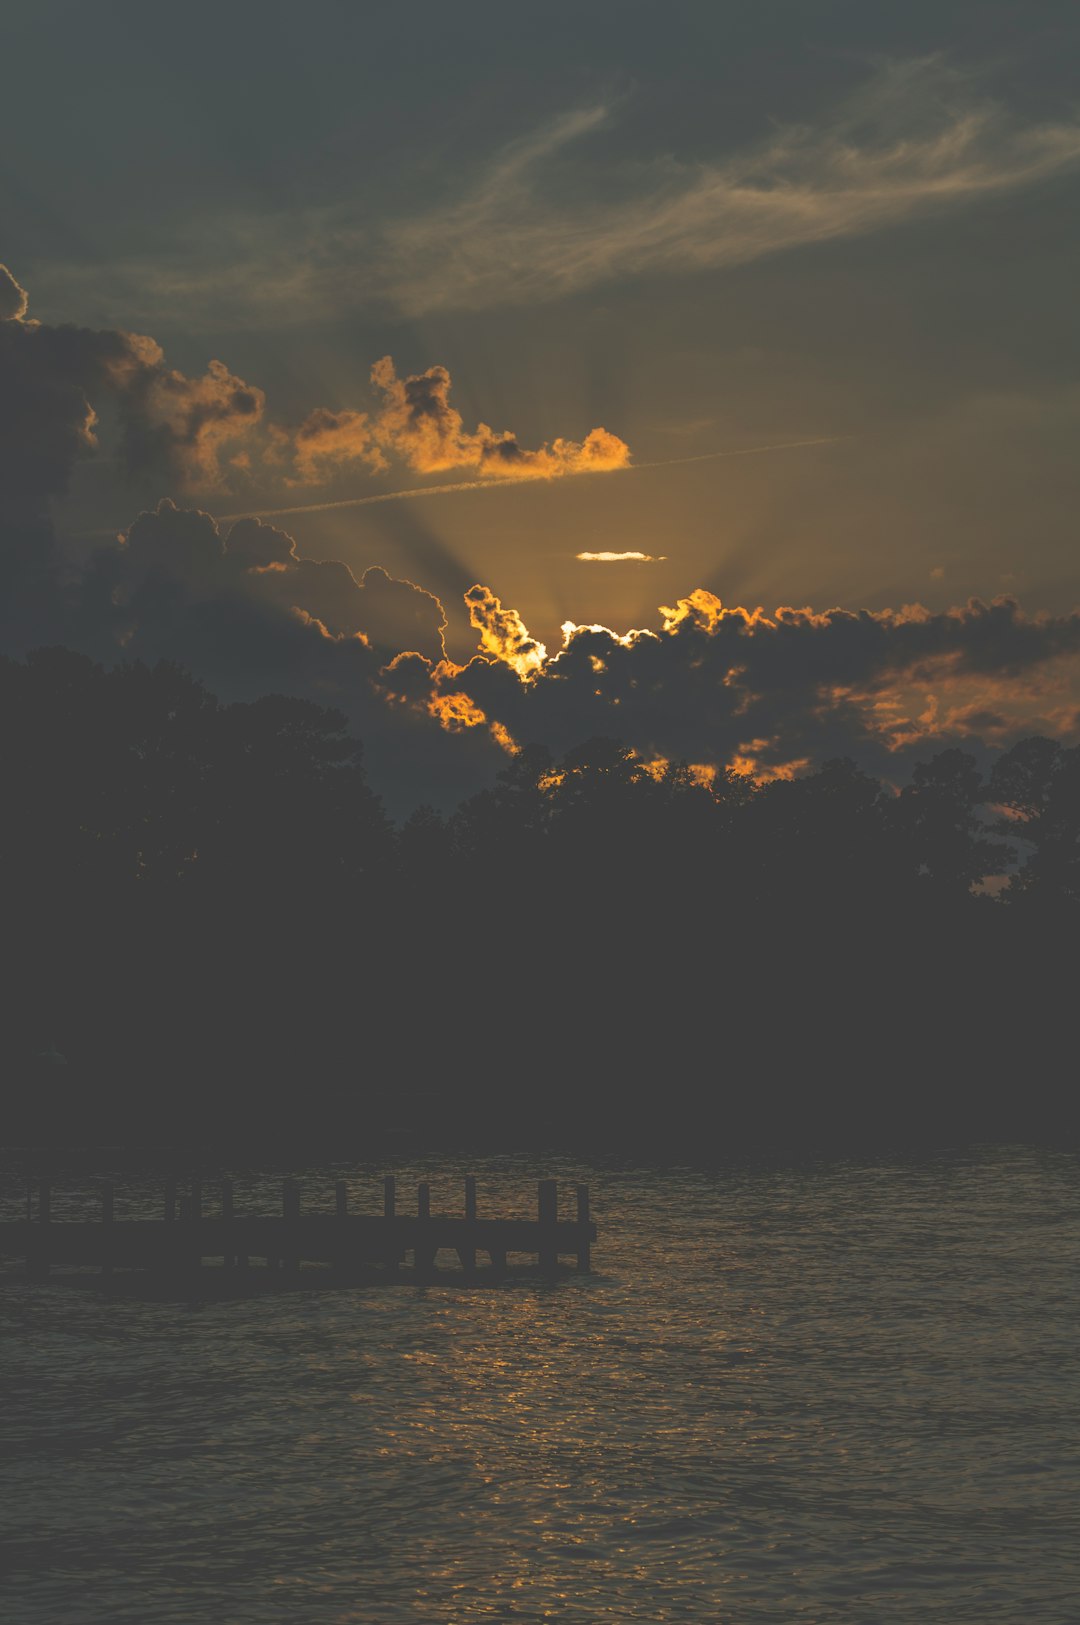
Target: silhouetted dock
199,1235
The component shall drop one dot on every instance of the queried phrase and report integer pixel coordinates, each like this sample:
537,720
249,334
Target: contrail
519,479
742,451
418,491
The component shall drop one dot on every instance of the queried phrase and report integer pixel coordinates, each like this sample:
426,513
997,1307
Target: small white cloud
621,558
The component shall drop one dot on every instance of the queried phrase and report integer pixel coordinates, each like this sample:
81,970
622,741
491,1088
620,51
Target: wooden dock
197,1237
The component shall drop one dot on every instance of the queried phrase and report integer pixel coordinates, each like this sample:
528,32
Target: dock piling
424,1253
584,1254
467,1255
38,1238
108,1214
195,1255
229,1258
547,1212
290,1208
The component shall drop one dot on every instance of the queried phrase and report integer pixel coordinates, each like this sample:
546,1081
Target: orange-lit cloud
503,634
189,421
327,442
431,687
416,423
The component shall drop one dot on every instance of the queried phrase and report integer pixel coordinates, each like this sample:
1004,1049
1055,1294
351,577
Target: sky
778,299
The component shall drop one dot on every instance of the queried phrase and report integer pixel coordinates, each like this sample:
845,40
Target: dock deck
189,1241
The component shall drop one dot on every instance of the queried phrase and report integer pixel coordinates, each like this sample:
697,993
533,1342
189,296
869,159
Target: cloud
416,423
723,686
49,377
249,615
180,426
503,634
54,380
328,442
540,221
13,299
621,558
203,433
172,560
912,141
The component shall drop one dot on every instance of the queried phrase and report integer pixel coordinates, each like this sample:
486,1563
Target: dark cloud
393,615
250,616
724,687
173,557
47,420
55,381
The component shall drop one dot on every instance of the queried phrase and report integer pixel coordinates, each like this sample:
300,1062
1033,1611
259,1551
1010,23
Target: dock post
194,1218
423,1253
229,1258
170,1201
340,1256
548,1213
467,1255
108,1212
37,1240
389,1206
584,1252
290,1207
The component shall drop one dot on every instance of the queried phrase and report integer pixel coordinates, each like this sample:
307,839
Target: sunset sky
776,298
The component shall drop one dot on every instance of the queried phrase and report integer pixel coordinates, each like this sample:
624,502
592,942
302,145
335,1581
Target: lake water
837,1392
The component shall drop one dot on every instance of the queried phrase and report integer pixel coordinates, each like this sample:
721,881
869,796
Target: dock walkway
352,1246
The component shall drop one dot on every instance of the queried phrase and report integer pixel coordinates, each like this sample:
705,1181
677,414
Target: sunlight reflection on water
838,1392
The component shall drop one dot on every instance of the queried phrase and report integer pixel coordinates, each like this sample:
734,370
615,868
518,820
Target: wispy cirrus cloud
913,140
544,218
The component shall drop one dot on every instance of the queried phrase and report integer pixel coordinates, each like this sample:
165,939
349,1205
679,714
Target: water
837,1392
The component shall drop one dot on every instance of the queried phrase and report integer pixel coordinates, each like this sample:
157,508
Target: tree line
213,922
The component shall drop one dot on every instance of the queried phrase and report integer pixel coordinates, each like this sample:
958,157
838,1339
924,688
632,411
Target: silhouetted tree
1036,785
947,845
207,909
